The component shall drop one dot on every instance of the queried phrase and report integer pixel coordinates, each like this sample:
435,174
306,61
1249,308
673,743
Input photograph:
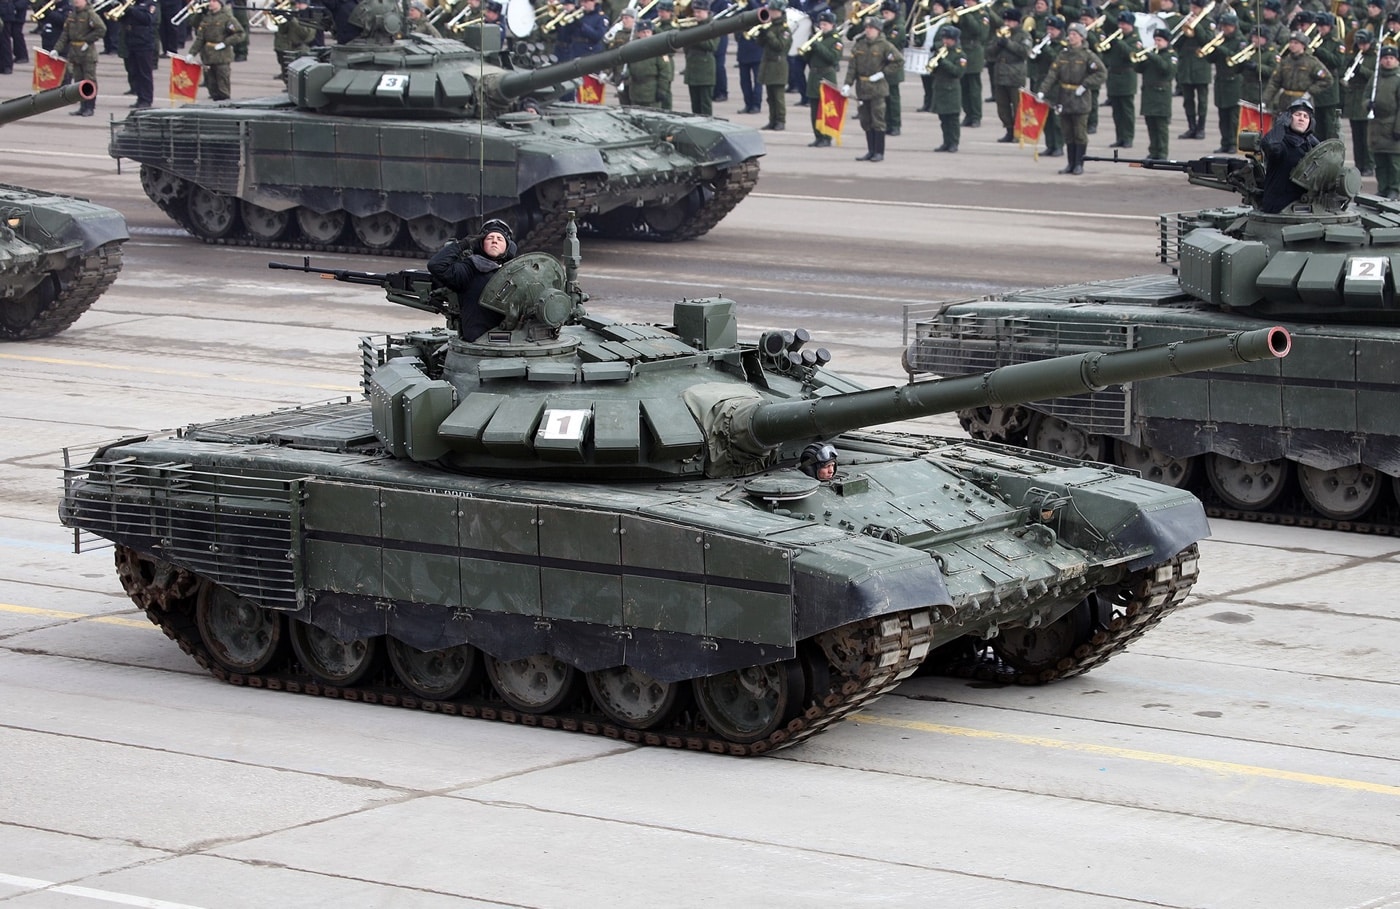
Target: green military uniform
1070,84
823,58
1043,55
1011,46
775,39
293,39
869,57
700,73
649,80
1296,74
1092,42
1122,83
620,76
1328,101
78,44
214,36
894,34
1193,74
975,27
1256,70
1229,83
239,11
1356,103
1158,69
948,64
1385,131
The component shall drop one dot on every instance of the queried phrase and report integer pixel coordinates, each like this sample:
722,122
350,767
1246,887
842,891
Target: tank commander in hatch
818,461
466,269
1284,147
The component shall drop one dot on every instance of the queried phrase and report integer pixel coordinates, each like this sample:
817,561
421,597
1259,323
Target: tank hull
265,173
921,545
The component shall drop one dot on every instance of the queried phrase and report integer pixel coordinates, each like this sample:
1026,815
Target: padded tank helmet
1301,104
497,226
815,456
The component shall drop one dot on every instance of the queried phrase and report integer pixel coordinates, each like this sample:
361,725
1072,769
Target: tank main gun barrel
46,100
517,84
769,425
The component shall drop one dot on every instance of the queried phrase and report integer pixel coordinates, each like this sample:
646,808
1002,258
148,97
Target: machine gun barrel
49,99
765,426
411,287
517,84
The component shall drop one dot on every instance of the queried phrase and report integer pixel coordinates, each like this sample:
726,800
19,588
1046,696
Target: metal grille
1172,226
959,345
235,529
204,150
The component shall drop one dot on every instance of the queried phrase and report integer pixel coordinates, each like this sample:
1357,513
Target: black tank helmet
814,456
496,225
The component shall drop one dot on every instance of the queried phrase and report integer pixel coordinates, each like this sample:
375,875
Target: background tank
1314,439
383,145
57,253
582,524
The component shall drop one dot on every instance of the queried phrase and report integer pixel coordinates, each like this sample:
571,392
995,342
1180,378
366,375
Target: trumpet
1241,56
1107,40
120,9
563,18
1205,50
1043,43
43,11
810,43
192,8
1141,55
754,32
934,23
858,14
936,59
1093,26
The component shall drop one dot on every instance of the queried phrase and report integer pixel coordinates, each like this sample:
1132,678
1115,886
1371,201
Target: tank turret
47,100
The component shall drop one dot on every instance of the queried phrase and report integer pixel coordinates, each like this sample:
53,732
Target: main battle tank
384,145
1329,415
57,253
577,523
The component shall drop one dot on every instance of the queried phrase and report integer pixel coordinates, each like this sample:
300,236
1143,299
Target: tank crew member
872,60
1158,69
1385,129
1043,54
1356,99
1124,46
1228,81
823,65
1069,85
467,268
700,65
1284,146
947,86
216,35
78,44
818,461
975,28
418,23
139,30
1298,75
52,25
649,80
1011,47
775,38
1193,72
892,16
1328,50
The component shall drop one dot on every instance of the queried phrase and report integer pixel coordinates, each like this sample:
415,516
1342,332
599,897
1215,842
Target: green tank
383,145
577,523
57,253
1314,441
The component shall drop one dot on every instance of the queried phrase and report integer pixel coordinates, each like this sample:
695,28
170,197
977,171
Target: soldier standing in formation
293,38
1385,129
700,65
139,24
1325,47
748,53
948,65
78,44
1011,46
873,61
892,14
1257,68
52,25
976,28
1120,49
1228,82
1158,69
823,64
1042,56
1192,72
1356,99
649,80
215,35
1298,74
776,38
1069,85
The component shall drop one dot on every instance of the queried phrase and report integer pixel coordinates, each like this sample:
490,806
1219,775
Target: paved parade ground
1242,754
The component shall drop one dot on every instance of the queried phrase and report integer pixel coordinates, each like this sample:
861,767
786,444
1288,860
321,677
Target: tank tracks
95,273
867,659
1142,601
735,185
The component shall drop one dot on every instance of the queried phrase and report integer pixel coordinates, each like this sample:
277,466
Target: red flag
184,79
1253,118
1030,117
48,70
591,91
832,115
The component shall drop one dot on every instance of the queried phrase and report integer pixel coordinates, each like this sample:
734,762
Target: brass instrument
1391,38
43,11
192,8
810,42
934,23
1096,24
270,16
915,11
545,11
1241,55
563,18
1316,42
1189,23
936,59
754,32
1028,24
1351,70
1139,56
685,22
1107,40
465,24
100,5
120,9
462,19
858,14
1044,42
1205,50
1004,32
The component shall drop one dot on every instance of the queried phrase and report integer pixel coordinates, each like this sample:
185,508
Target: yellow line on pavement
178,373
56,614
1132,754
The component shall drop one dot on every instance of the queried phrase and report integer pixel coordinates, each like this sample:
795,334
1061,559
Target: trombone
564,18
1189,23
43,11
1241,56
753,32
192,8
934,23
858,14
1205,50
464,19
120,9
